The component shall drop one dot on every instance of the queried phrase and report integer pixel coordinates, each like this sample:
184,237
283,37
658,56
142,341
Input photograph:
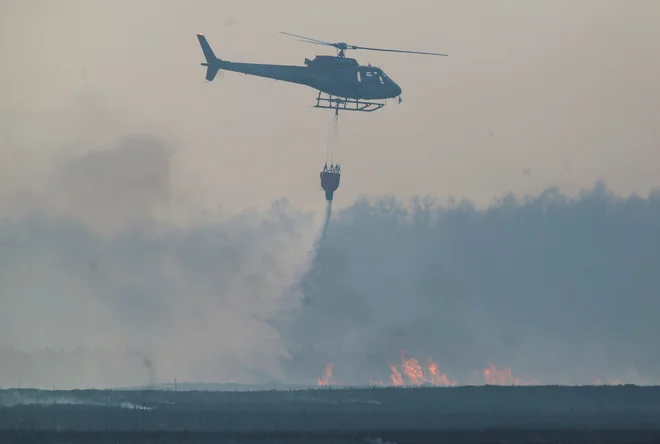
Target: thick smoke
99,289
193,300
563,290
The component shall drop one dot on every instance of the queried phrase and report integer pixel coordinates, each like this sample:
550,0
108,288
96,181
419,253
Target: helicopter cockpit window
370,76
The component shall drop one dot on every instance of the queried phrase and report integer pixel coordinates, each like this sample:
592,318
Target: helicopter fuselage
340,77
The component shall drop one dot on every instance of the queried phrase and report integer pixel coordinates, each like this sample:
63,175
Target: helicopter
341,81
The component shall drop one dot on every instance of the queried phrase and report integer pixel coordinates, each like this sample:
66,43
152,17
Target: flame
438,378
416,375
413,371
395,377
495,376
326,379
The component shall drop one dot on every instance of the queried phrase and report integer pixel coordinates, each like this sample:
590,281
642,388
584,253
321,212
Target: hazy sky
116,159
565,89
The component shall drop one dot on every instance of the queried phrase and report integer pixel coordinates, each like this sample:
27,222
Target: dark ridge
539,436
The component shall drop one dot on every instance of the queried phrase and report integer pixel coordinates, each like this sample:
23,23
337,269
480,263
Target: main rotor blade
396,50
307,39
315,43
344,46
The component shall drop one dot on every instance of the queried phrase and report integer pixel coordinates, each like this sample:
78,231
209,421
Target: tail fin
212,62
206,48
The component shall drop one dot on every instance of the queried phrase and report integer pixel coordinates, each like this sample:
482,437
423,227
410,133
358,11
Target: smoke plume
556,288
96,276
96,281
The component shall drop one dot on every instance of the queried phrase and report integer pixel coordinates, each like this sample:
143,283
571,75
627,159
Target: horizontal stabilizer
211,71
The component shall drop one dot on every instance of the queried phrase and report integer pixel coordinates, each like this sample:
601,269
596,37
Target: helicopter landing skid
338,103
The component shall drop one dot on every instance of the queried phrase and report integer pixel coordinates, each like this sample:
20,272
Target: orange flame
438,378
413,371
326,379
416,374
395,377
495,376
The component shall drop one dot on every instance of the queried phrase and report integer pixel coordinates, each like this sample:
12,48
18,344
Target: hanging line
332,141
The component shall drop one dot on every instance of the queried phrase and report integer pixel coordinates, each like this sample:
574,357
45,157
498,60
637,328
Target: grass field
455,414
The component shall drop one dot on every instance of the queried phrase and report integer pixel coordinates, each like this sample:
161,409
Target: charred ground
423,414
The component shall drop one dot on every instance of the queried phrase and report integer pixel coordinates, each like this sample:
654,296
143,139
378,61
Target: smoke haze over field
561,290
141,219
